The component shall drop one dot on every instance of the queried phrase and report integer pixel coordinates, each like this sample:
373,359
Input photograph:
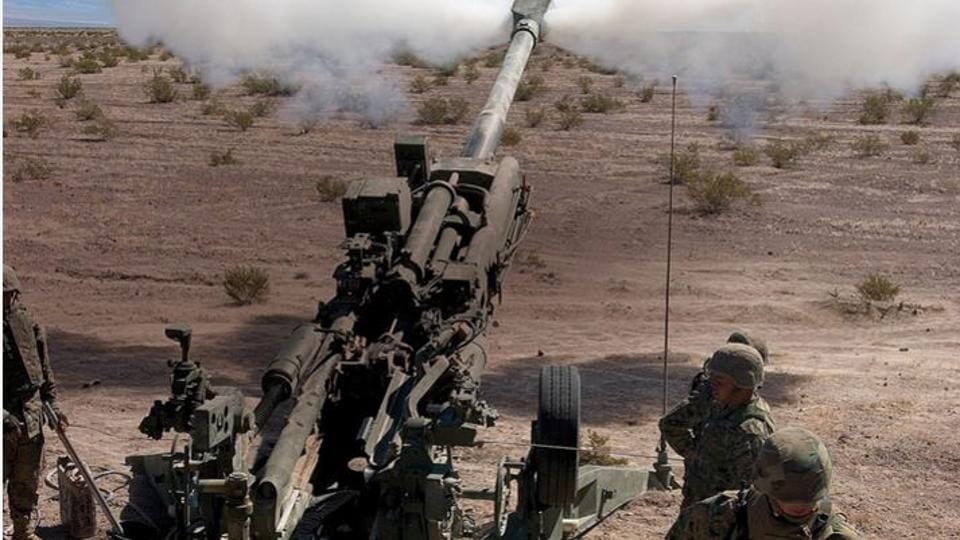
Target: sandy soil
129,234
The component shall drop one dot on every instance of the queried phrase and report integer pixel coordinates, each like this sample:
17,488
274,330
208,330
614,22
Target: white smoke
333,49
819,48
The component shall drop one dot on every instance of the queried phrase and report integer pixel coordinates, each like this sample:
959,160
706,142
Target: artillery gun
372,396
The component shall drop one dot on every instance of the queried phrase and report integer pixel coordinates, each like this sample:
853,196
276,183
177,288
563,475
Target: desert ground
116,236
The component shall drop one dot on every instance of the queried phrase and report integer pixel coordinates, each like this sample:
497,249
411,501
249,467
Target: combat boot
23,528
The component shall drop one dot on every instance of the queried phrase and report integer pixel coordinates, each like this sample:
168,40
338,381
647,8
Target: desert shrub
33,92
717,193
442,111
441,80
87,63
877,288
619,81
60,49
510,137
88,110
160,89
593,66
242,120
565,103
585,84
218,158
69,87
948,83
246,285
875,109
260,108
213,108
21,52
31,169
65,61
869,146
818,141
331,189
178,74
598,452
493,59
108,58
529,88
535,116
570,118
910,138
419,84
30,122
471,73
955,142
27,74
686,164
448,70
922,157
713,113
406,57
200,91
266,85
785,154
134,54
918,110
165,55
102,129
647,93
597,102
746,157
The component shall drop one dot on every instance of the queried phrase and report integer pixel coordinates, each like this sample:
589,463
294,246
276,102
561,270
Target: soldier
719,429
27,383
789,498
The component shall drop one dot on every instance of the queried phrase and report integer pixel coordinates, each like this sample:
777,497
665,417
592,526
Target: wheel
558,424
501,501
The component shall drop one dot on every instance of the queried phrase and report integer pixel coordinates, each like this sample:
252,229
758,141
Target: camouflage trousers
22,466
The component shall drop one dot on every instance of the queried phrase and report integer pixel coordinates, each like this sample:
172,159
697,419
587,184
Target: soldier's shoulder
713,517
756,426
840,529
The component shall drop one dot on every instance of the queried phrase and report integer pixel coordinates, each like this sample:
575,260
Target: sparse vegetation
406,57
65,61
529,88
878,288
746,156
419,84
218,158
200,91
31,169
647,93
102,129
910,138
266,85
178,75
88,110
493,59
330,188
261,108
785,154
28,74
448,70
619,81
593,66
949,82
134,54
875,109
585,84
30,122
535,116
955,142
598,452
922,157
213,108
441,80
242,120
918,110
108,58
471,73
686,164
869,146
716,193
598,102
246,285
818,141
87,63
437,110
160,89
570,118
713,113
69,87
510,137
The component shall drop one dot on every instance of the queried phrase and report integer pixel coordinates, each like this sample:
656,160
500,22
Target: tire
558,424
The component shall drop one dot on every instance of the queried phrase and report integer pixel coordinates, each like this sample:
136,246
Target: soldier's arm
744,450
710,518
676,427
48,389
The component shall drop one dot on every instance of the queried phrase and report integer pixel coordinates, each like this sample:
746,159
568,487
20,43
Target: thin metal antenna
662,466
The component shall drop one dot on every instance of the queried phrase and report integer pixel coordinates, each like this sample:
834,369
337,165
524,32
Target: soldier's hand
62,419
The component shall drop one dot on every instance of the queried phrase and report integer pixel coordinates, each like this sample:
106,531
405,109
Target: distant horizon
58,14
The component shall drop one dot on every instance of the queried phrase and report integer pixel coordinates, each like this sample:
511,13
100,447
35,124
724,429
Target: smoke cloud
821,47
333,50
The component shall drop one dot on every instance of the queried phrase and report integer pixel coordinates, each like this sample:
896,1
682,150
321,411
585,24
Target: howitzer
373,395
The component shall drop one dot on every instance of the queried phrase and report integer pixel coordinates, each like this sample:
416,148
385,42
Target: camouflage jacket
27,378
748,515
722,453
683,423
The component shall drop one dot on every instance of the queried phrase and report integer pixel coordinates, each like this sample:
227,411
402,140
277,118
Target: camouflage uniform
793,467
27,383
719,445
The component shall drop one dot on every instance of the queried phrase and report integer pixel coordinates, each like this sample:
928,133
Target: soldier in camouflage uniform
719,429
789,498
27,383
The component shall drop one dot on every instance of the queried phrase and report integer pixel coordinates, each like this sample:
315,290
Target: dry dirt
132,233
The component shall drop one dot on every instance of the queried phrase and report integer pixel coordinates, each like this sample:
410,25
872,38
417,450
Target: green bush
600,103
30,122
510,137
437,110
261,108
647,93
869,146
260,84
419,84
440,80
69,87
570,118
878,288
108,58
598,452
200,91
178,75
785,154
160,89
242,120
246,285
493,59
918,110
686,164
910,138
134,54
406,57
875,109
529,88
87,63
65,61
88,110
27,74
102,129
717,193
746,157
331,189
535,116
31,169
713,113
471,73
218,159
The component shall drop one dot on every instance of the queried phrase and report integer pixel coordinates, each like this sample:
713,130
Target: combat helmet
740,362
741,336
793,467
11,283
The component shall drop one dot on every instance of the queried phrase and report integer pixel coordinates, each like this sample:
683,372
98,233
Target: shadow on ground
620,388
